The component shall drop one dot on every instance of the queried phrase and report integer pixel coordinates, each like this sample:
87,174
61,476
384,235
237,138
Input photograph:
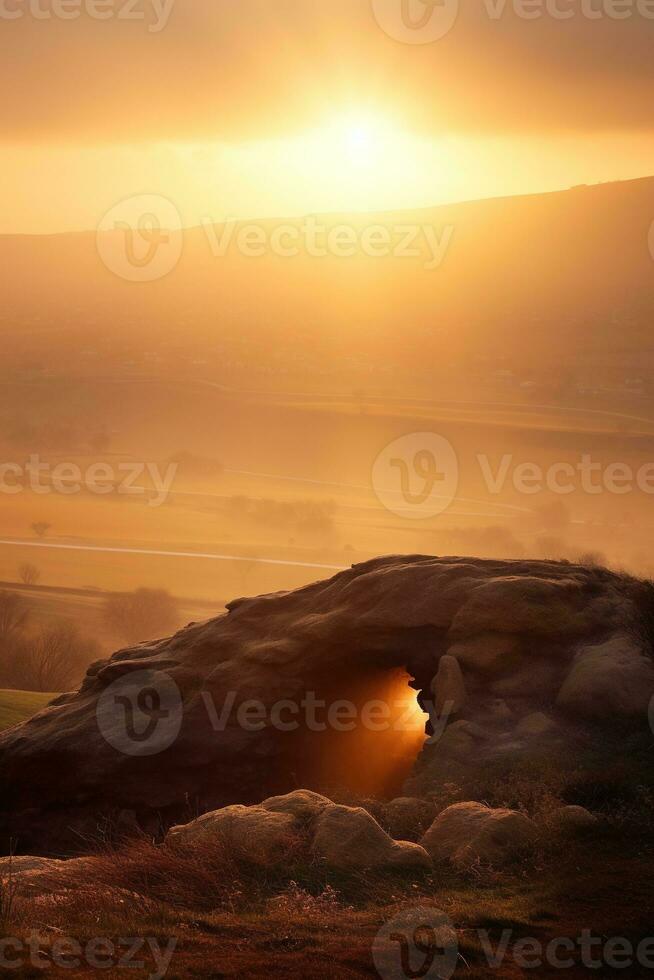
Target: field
271,493
17,706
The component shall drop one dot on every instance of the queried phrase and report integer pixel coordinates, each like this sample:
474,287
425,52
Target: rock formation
184,725
340,837
470,833
449,687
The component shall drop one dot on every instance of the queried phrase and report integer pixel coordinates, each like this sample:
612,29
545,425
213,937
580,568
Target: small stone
575,819
535,725
499,710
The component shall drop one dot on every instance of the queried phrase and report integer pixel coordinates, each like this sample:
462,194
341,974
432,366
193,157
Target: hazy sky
263,107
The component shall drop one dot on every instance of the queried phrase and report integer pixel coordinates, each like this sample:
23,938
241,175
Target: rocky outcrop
341,837
205,719
470,833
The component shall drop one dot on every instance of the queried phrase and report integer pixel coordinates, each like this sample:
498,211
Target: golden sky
242,108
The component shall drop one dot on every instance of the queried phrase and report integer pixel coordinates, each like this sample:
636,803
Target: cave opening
364,743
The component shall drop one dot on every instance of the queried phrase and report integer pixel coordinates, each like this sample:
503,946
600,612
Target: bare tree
54,659
14,615
142,615
29,574
40,528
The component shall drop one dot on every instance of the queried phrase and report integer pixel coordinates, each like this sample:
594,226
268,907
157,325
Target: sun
360,137
350,159
360,157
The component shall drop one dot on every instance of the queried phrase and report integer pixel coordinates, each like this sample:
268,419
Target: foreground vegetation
227,919
225,915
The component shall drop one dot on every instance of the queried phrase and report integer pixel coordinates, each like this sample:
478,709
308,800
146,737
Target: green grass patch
16,706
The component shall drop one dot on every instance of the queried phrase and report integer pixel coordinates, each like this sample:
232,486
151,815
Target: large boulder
260,836
609,679
22,864
340,837
194,720
407,817
350,839
470,833
33,875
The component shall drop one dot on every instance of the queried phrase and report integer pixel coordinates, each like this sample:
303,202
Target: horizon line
253,219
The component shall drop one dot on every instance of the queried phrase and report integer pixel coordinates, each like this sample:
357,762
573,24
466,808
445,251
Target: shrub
51,659
41,528
141,615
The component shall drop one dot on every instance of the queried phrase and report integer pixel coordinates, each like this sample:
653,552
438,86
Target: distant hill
546,278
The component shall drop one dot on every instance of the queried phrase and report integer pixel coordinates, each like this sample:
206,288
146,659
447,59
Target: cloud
235,69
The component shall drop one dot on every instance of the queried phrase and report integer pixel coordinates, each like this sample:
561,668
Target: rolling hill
552,279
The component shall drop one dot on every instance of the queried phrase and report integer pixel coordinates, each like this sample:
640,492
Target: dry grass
231,921
205,877
8,894
233,918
